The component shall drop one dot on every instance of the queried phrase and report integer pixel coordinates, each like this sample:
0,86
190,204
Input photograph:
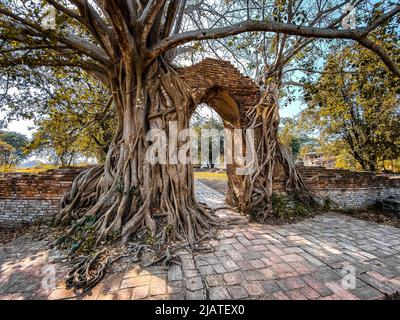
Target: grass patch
36,169
204,175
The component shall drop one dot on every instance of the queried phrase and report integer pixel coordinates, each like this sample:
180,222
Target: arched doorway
222,87
208,151
221,101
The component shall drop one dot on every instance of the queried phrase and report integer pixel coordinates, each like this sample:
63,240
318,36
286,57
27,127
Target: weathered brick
215,280
219,293
291,283
253,288
233,278
194,283
237,292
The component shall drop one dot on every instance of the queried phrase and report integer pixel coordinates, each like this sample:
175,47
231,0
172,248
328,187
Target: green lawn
211,175
36,169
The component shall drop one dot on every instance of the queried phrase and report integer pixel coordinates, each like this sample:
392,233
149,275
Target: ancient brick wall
211,73
25,198
346,189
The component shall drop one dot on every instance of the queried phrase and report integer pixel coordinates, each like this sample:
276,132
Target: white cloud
21,126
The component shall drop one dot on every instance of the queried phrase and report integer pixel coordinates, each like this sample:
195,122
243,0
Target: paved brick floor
249,261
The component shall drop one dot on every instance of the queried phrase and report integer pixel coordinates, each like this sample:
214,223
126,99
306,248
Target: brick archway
220,85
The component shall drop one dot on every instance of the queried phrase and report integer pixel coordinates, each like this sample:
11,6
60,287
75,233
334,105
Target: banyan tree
129,46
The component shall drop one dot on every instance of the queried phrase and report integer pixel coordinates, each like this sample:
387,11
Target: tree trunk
258,186
368,163
129,196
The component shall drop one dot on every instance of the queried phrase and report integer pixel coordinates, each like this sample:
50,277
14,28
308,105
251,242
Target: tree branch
148,18
28,27
367,43
359,35
36,62
121,28
90,19
252,26
381,20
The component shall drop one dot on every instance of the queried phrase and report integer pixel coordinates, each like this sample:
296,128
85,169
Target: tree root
146,249
258,186
87,273
128,198
91,269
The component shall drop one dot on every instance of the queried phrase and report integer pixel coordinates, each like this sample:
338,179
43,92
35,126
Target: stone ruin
26,198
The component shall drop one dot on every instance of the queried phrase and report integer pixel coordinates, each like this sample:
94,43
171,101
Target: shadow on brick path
312,259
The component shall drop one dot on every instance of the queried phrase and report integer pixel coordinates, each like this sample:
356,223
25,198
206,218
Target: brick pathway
209,196
250,261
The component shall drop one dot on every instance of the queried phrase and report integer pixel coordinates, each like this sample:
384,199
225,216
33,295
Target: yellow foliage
7,168
36,169
392,165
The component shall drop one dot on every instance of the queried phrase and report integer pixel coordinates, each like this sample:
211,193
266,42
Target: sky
292,110
21,126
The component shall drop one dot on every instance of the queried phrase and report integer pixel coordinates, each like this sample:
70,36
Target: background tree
292,136
6,152
339,151
355,101
72,113
78,121
13,147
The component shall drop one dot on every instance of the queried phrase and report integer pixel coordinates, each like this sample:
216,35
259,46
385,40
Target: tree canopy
289,46
357,102
76,120
13,147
